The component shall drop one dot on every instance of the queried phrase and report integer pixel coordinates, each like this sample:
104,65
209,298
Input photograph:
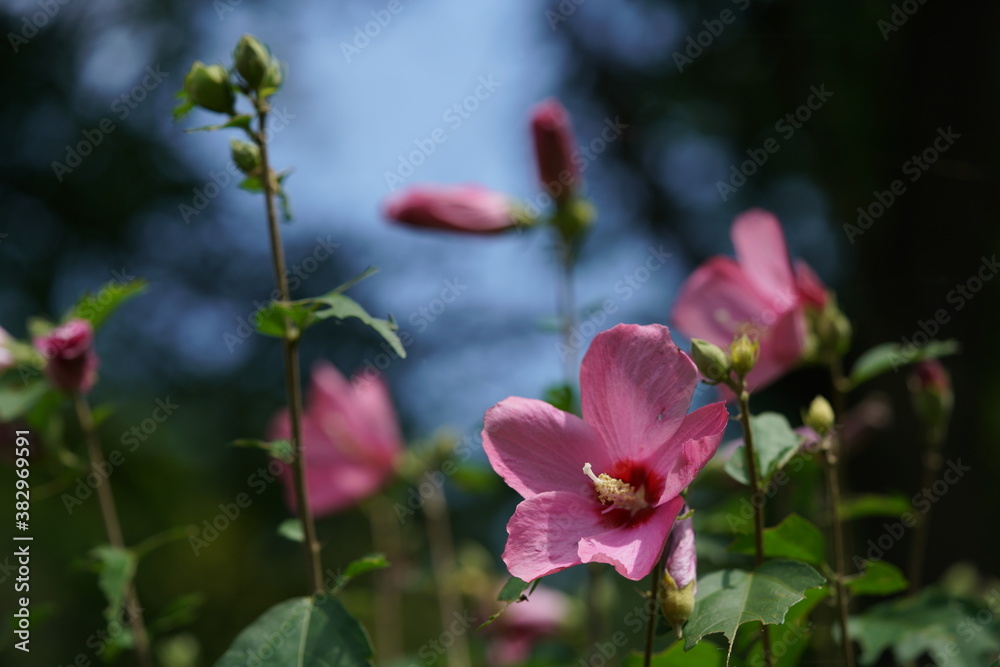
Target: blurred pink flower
6,356
460,208
554,148
605,488
760,295
350,440
523,624
71,363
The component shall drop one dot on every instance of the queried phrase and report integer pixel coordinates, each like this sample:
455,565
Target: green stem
932,466
654,598
756,501
293,387
834,483
567,306
112,526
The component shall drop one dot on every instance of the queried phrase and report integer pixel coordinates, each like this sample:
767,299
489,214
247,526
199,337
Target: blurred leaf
475,478
561,396
178,613
16,401
96,308
890,356
774,442
794,538
874,504
878,578
730,598
704,654
184,105
512,590
358,567
291,529
252,184
279,449
313,631
952,630
115,570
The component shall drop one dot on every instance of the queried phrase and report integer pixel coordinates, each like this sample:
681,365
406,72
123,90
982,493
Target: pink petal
545,531
682,560
636,386
374,402
536,447
811,288
467,208
781,347
680,459
633,550
762,253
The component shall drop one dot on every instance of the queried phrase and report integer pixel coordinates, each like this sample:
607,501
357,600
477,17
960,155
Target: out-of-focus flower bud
933,398
246,156
209,87
744,354
710,359
252,60
273,76
819,417
471,209
554,147
71,363
680,578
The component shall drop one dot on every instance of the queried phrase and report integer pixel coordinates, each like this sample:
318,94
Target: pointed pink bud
682,562
71,363
459,208
554,148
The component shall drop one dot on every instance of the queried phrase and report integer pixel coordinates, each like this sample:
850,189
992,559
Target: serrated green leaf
96,308
291,529
313,631
788,640
878,578
874,504
794,538
891,356
705,654
341,307
512,590
774,442
729,598
115,570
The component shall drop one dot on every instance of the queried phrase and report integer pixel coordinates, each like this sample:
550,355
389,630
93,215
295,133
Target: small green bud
273,76
209,87
574,217
819,417
246,156
744,354
252,60
676,603
710,359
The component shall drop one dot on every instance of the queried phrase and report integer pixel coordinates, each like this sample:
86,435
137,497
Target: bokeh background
353,114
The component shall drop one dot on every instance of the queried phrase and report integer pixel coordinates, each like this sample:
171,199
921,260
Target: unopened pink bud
71,363
554,148
460,208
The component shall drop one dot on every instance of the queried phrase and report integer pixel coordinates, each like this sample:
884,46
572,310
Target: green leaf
952,629
561,396
358,567
96,308
705,654
291,529
252,184
874,504
730,598
774,442
16,401
790,639
312,631
343,287
891,356
512,590
279,449
794,538
341,307
115,570
184,105
878,578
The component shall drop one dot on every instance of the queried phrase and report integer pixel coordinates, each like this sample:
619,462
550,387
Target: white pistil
616,492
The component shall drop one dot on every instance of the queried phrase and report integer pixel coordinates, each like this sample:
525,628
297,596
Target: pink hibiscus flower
458,208
759,294
605,488
350,440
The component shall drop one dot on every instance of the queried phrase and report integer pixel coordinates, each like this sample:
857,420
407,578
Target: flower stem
566,255
834,481
932,465
293,387
654,598
444,563
112,526
756,500
386,539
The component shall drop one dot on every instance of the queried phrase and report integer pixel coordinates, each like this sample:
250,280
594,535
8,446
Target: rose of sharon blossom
554,148
71,363
458,208
350,440
759,294
605,488
524,624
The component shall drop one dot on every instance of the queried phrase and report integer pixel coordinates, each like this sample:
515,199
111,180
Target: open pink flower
458,208
71,363
350,440
554,148
759,294
605,488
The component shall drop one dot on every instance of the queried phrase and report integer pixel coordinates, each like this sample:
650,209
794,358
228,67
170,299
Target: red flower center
627,492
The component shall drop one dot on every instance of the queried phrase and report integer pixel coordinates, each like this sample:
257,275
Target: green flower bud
246,156
252,60
676,603
819,417
273,76
744,354
710,359
208,86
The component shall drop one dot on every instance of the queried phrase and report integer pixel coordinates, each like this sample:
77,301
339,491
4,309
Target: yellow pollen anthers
616,492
